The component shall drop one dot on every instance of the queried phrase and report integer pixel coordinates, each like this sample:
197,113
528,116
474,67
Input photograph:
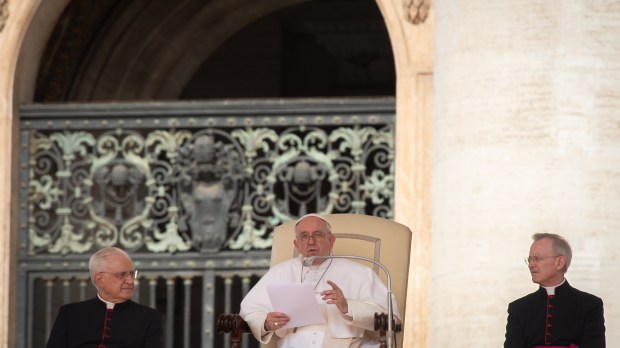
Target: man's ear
98,277
561,262
296,244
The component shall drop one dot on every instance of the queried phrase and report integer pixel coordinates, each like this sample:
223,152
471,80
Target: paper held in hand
297,301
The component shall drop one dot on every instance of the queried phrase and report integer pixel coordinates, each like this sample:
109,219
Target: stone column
526,139
21,47
8,180
8,243
411,27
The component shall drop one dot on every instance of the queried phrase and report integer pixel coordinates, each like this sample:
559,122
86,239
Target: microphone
307,262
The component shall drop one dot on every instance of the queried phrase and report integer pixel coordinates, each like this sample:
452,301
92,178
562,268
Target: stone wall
526,140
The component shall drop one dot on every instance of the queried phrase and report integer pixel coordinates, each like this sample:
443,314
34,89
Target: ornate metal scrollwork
199,189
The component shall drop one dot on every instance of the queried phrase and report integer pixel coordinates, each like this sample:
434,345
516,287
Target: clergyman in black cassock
129,325
111,319
556,315
575,317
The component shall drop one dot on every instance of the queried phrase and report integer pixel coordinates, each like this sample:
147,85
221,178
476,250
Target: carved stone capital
4,13
416,11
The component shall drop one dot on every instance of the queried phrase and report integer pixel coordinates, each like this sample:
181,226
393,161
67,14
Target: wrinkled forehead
117,262
312,220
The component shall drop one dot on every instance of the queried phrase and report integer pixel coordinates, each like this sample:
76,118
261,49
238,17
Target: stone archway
26,30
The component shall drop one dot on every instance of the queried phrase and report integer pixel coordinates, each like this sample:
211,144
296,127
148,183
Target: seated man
348,293
556,315
111,319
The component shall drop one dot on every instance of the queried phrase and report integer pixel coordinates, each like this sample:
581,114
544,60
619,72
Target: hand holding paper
297,301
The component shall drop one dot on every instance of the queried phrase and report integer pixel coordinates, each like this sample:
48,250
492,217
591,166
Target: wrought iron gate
191,190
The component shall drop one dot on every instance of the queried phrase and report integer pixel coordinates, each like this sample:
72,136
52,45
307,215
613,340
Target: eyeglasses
537,259
123,275
317,236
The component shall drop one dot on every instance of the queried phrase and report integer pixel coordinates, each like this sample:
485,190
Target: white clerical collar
109,305
551,289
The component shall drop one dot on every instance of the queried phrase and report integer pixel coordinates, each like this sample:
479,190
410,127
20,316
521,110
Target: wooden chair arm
381,325
233,324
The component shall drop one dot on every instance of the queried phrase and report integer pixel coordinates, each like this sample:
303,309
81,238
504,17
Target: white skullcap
313,215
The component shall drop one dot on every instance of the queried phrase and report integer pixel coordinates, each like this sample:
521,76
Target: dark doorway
111,50
316,49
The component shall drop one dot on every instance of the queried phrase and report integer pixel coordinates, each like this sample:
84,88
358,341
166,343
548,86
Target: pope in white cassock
348,293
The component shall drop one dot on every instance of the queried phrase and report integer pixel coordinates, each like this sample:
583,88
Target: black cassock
128,325
568,317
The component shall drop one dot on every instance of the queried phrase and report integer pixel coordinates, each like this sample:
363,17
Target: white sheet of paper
297,301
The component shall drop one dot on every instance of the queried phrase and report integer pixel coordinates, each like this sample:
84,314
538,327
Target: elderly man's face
545,265
115,282
313,238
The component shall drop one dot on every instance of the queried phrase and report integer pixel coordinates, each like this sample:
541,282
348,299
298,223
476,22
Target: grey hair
560,246
327,225
97,260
